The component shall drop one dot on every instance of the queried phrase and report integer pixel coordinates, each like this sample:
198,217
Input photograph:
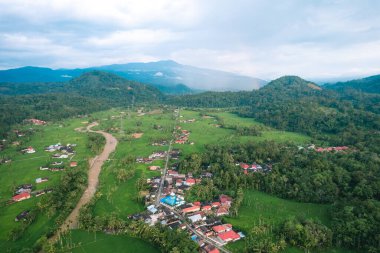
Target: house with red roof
21,196
222,211
189,182
222,228
229,236
225,199
191,209
73,164
215,204
178,182
244,166
210,249
206,208
172,172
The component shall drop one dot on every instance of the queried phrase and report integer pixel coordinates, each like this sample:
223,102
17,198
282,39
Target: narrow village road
96,163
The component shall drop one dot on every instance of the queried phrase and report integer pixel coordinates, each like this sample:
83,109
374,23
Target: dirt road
96,163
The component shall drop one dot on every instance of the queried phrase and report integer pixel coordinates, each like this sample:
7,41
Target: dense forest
369,84
93,91
293,104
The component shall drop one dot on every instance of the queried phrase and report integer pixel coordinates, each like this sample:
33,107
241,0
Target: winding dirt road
96,163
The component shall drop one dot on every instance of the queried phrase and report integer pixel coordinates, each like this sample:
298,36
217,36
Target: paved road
205,238
159,192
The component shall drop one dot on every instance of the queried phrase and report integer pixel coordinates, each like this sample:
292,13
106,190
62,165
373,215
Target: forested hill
369,84
91,84
116,90
92,91
291,103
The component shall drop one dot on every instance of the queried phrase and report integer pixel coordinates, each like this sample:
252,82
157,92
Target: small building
191,209
229,236
73,164
189,182
21,196
153,168
41,180
222,211
196,217
210,249
22,216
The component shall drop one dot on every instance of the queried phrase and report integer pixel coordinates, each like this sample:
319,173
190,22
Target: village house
210,249
23,188
22,216
41,180
73,164
191,209
29,150
153,168
21,196
229,236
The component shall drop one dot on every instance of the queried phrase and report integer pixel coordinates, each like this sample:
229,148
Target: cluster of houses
200,220
182,137
330,149
254,167
327,149
58,166
36,122
65,150
159,155
24,191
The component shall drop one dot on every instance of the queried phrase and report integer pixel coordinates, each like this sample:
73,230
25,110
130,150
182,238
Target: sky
259,38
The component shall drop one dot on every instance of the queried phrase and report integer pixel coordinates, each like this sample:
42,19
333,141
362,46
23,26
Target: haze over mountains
168,76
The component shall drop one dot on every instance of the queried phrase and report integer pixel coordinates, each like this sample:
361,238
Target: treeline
93,91
349,180
290,103
15,109
95,142
168,240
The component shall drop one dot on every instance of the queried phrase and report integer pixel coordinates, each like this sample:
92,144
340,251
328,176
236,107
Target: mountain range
168,76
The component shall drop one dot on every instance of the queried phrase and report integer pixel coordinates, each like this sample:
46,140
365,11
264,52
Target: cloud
259,38
134,37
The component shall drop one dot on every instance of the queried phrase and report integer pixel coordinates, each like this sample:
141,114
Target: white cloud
134,37
258,38
131,13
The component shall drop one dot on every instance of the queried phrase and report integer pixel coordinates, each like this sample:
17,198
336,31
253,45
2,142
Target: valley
245,170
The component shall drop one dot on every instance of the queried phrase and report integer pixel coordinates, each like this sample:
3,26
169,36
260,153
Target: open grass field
120,197
24,169
261,208
205,131
85,242
116,196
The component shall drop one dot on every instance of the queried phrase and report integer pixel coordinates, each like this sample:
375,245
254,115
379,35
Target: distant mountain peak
290,83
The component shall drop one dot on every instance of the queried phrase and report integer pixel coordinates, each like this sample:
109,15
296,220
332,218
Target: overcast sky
263,39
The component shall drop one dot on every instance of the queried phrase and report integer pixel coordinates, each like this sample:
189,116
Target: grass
260,208
24,169
89,242
120,197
